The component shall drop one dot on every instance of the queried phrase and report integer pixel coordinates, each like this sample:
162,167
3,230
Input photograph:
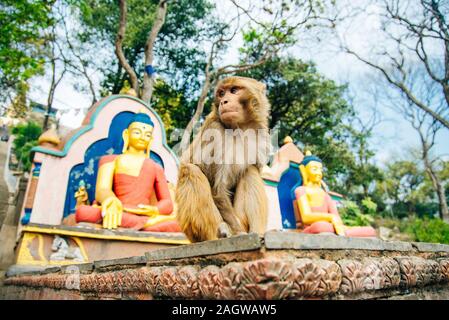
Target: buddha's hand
145,210
112,211
338,226
151,210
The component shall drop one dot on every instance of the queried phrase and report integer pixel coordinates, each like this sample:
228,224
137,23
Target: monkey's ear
263,88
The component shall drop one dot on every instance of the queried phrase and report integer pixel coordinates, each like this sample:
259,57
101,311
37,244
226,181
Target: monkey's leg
250,201
197,214
223,202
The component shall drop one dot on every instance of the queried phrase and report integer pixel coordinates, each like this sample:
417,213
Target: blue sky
394,136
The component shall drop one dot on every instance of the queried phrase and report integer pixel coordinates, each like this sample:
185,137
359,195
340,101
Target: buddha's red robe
148,188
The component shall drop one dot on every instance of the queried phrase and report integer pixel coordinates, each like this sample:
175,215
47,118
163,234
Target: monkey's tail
197,214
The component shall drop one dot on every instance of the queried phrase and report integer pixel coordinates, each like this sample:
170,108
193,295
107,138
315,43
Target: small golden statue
81,196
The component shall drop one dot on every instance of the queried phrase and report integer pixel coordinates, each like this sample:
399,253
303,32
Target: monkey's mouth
228,112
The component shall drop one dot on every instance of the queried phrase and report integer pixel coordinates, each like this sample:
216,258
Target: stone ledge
233,244
294,240
16,270
81,268
101,264
431,247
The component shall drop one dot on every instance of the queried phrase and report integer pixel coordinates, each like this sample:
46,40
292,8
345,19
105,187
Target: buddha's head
82,186
311,169
139,134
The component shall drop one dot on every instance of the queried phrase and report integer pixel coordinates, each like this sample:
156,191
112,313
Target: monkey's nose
224,101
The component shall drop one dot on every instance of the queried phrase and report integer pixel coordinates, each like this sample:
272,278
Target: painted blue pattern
289,179
26,217
87,171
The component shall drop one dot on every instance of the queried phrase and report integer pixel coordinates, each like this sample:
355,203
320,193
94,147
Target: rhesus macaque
226,196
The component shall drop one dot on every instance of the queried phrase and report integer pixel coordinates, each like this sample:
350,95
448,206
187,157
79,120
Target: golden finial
308,153
131,92
49,137
288,139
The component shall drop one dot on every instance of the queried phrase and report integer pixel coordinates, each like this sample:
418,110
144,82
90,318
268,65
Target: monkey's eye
234,90
221,93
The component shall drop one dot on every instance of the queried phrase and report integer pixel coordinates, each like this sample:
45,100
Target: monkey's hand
112,211
224,231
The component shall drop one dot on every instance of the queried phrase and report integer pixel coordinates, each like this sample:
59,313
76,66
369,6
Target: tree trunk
439,189
51,94
119,50
436,182
444,210
148,81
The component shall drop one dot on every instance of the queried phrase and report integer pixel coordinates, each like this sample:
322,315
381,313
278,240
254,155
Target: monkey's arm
192,154
224,205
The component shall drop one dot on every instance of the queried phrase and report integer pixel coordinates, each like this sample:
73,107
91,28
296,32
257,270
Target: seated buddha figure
317,210
131,188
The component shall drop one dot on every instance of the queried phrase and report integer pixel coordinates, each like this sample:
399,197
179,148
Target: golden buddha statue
131,188
81,196
316,210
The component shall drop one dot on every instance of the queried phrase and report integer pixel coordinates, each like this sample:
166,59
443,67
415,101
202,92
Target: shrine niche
282,177
64,177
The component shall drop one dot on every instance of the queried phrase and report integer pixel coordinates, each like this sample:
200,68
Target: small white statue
63,251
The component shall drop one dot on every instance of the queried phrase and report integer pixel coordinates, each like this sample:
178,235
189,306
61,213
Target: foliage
429,230
369,207
362,173
168,104
406,187
22,23
186,23
26,136
353,216
178,50
18,107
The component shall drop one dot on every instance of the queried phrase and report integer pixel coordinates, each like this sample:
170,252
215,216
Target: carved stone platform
47,245
281,265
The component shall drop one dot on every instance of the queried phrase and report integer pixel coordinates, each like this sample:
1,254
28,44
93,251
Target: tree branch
148,83
119,49
402,87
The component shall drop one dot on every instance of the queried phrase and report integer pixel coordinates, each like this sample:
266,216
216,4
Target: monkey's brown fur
217,200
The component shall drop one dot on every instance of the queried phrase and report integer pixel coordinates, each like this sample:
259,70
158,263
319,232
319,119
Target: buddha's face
314,171
139,135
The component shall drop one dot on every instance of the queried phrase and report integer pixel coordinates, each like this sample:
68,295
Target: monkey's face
231,110
241,102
